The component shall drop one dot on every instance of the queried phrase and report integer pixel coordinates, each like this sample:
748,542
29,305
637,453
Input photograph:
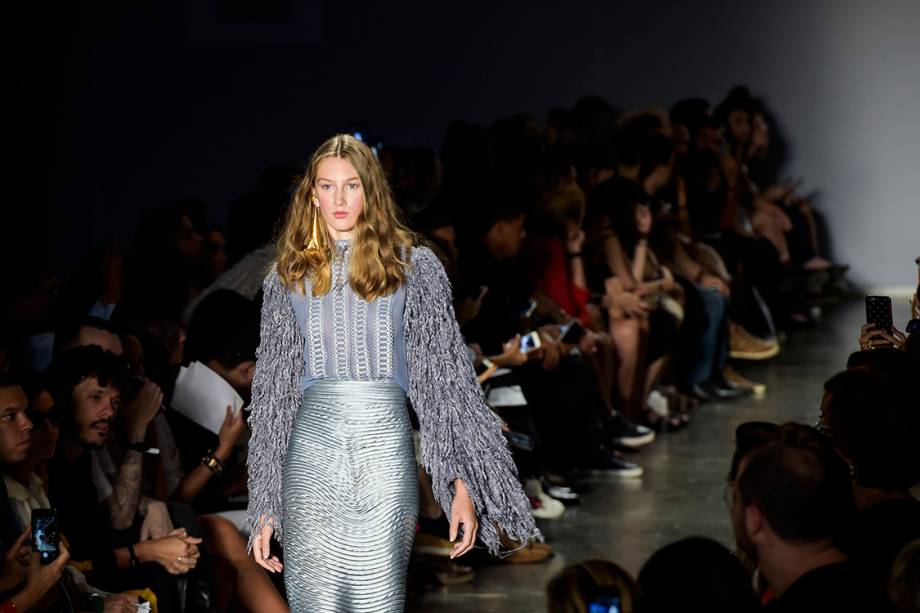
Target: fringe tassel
461,437
275,401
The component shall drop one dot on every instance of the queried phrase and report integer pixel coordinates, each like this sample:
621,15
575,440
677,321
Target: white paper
202,395
507,396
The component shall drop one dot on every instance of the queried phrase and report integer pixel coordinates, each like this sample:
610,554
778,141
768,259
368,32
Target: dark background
128,106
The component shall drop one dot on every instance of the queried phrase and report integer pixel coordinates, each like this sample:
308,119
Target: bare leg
603,361
626,339
252,587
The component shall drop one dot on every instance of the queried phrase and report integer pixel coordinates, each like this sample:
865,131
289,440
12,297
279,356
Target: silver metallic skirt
350,495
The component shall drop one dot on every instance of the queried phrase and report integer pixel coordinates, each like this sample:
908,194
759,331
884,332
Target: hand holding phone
530,342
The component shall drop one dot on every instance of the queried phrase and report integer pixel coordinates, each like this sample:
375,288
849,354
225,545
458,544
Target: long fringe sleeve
460,436
275,400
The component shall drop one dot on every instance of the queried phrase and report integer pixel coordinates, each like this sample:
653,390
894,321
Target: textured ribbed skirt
350,493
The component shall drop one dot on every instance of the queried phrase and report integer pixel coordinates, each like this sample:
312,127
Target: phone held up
530,342
878,312
45,535
572,333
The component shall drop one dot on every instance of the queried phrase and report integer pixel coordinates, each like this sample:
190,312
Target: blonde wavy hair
381,241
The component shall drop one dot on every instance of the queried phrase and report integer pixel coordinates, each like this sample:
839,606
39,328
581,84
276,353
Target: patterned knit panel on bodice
348,338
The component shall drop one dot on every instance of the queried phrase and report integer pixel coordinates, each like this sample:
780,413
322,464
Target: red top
556,281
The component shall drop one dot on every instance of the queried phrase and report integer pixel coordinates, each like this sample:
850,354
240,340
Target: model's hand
261,548
157,522
462,512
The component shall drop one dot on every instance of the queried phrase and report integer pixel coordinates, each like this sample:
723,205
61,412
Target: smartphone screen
608,604
878,312
45,537
529,342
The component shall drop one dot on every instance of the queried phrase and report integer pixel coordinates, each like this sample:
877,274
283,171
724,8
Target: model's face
94,409
15,427
340,196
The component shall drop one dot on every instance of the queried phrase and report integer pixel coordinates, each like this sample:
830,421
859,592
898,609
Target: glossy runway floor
681,493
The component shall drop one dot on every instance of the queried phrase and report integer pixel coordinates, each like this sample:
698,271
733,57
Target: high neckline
341,244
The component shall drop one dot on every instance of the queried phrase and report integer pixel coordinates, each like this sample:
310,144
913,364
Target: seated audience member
875,426
790,502
904,586
86,384
644,316
695,573
19,581
88,331
223,335
592,585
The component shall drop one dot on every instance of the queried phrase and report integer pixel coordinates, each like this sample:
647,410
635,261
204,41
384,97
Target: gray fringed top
460,436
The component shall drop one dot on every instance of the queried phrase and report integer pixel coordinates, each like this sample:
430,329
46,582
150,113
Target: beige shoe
533,553
758,389
745,346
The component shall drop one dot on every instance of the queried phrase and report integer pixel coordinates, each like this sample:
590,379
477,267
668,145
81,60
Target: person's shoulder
272,283
424,261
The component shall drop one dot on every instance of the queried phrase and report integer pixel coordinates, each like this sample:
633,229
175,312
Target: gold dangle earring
313,244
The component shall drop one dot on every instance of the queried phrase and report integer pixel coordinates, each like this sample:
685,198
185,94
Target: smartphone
45,536
485,369
530,342
878,312
530,309
572,333
519,440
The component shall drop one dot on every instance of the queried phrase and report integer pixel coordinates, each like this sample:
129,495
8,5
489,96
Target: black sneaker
625,433
605,462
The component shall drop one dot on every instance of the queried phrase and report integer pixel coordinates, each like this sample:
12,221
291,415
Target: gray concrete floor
681,493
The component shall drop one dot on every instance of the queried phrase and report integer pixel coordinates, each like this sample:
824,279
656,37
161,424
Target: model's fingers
469,535
454,525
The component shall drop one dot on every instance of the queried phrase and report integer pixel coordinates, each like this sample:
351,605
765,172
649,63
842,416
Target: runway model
355,318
